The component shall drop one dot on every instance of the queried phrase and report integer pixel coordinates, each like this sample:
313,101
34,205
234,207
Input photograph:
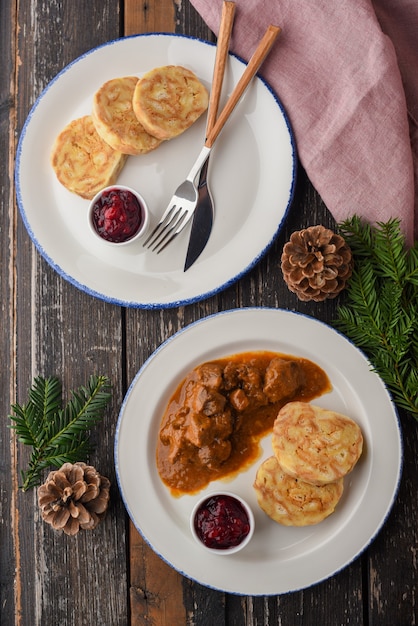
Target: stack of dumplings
314,449
129,116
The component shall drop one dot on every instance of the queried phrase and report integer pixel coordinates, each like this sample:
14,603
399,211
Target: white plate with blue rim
252,178
278,559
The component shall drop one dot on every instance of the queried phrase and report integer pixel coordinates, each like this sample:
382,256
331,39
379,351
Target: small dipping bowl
222,523
118,215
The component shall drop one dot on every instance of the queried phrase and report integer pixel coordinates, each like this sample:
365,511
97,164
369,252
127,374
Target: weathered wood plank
156,589
8,506
392,557
156,593
149,17
189,22
62,331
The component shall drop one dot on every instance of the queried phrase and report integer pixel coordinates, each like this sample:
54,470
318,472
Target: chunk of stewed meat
174,426
210,375
282,379
214,455
201,399
202,430
239,400
230,376
247,377
172,434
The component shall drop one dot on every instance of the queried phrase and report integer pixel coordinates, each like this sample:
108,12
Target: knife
202,220
203,216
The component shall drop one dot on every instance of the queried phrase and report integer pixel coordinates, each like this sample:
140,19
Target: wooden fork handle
222,49
254,64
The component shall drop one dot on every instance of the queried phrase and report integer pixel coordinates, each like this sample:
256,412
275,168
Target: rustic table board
48,327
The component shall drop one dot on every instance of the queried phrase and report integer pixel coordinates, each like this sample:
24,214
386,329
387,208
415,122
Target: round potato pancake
290,501
82,161
115,120
168,100
314,444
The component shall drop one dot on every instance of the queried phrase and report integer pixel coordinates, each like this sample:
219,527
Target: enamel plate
252,169
278,559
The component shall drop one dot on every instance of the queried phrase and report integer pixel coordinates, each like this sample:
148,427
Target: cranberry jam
221,522
117,215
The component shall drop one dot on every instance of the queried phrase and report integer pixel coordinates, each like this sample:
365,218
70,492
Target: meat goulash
214,421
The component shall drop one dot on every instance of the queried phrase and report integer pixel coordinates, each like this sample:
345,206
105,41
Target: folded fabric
337,74
399,20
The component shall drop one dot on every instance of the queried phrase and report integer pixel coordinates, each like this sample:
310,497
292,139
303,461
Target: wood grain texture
156,589
221,58
156,592
143,16
392,557
9,540
62,331
252,67
111,576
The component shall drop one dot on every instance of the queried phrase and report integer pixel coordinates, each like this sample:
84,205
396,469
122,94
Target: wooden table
48,327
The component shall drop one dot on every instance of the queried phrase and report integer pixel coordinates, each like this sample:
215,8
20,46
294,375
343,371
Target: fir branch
380,313
57,435
412,265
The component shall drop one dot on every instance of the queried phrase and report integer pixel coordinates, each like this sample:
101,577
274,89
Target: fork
183,203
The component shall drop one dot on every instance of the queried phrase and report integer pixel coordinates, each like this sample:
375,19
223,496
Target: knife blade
202,220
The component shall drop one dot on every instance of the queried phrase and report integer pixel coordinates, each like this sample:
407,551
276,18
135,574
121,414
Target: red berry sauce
117,215
221,522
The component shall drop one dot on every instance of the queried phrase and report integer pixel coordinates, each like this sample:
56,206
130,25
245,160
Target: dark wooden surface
110,577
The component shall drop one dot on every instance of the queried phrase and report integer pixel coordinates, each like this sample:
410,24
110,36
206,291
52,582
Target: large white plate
251,175
278,559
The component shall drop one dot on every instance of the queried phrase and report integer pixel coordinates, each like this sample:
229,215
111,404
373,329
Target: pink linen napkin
339,78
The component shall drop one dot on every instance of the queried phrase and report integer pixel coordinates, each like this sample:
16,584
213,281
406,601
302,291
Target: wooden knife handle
222,49
254,63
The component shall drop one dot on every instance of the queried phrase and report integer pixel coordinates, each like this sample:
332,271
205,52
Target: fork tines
166,230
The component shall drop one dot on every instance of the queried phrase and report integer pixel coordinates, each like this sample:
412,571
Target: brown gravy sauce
212,426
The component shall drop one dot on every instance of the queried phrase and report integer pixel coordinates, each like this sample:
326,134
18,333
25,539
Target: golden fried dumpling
115,120
290,501
168,100
314,444
82,161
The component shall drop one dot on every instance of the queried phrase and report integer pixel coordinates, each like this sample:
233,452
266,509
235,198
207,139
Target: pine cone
316,263
73,497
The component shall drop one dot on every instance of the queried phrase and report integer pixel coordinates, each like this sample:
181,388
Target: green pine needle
380,313
57,435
